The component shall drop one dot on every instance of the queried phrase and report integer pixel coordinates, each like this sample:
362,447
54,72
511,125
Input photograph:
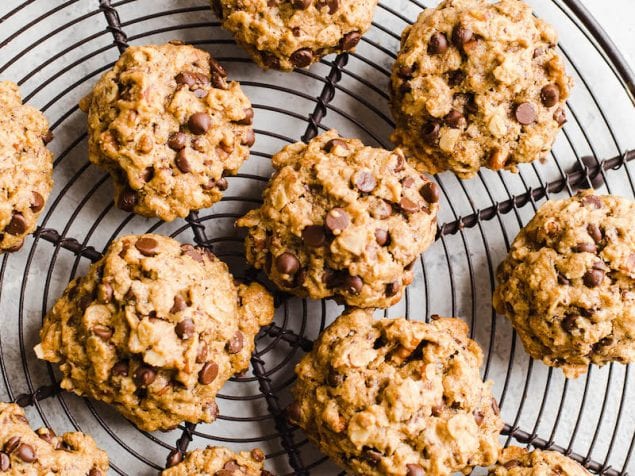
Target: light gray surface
454,278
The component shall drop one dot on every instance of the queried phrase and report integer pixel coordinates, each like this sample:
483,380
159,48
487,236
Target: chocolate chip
235,344
46,434
208,373
586,248
333,5
569,322
314,236
430,192
195,253
592,200
185,78
301,4
249,138
538,52
177,141
381,210
147,246
231,466
257,455
12,444
248,119
415,470
103,332
525,113
199,123
222,184
392,289
147,174
594,232
560,116
438,44
185,329
461,36
511,464
478,417
179,304
294,412
270,60
454,119
350,40
218,81
437,410
337,220
181,161
405,71
37,202
296,30
409,206
174,458
365,182
201,356
200,93
430,132
5,462
353,284
48,137
17,225
120,369
373,456
408,182
593,278
562,279
382,237
216,68
144,376
26,453
127,200
333,143
287,263
302,58
550,95
456,77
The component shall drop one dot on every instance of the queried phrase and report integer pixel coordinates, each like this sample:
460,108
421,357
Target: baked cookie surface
568,282
167,126
27,167
219,461
397,397
342,220
478,84
514,461
42,452
287,34
155,328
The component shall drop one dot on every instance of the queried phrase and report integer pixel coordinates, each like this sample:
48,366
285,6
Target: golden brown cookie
342,220
568,282
27,167
219,461
167,126
155,328
27,452
397,397
478,84
514,461
287,34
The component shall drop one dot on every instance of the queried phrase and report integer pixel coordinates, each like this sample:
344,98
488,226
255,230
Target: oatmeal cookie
219,461
515,461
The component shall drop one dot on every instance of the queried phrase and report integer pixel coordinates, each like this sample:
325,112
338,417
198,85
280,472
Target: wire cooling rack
57,49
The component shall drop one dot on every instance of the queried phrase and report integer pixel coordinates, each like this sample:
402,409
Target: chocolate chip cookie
168,126
27,167
398,397
42,452
568,282
342,220
287,34
514,461
478,84
155,328
219,461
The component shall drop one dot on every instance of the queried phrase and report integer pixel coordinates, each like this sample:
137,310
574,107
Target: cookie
287,34
516,461
168,127
397,397
219,461
155,328
342,220
568,283
27,167
478,84
42,452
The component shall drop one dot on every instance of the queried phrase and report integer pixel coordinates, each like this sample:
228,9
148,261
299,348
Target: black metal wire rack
68,44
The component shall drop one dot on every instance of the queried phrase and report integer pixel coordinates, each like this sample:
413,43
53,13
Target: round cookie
168,127
514,461
27,167
42,452
155,328
397,397
287,34
568,282
478,84
220,462
342,220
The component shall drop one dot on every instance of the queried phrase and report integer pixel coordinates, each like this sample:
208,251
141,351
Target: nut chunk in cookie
514,461
24,451
168,126
397,397
342,220
287,34
155,328
478,84
568,283
27,167
220,461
